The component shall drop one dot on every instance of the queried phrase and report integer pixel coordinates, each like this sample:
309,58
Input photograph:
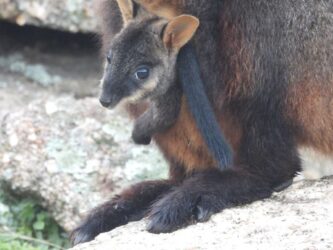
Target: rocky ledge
298,218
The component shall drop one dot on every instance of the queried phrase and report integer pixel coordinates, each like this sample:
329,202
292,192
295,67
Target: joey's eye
142,73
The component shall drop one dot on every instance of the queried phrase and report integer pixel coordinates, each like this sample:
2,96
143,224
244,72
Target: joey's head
141,62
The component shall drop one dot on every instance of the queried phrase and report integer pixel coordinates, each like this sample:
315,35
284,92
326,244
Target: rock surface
56,141
299,218
71,158
68,15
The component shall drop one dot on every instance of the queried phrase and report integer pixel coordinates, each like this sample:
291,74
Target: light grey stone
58,149
299,218
68,15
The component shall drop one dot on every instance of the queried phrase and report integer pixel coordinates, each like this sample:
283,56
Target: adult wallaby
267,69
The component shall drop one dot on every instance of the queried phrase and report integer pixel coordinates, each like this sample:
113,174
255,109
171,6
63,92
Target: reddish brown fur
238,75
163,8
135,110
310,108
184,143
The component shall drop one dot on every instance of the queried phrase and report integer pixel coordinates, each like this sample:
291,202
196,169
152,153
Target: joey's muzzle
105,103
109,101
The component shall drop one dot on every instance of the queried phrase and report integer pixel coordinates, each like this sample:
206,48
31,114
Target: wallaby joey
141,64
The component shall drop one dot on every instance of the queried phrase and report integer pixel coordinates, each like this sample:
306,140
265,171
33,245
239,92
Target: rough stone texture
69,15
69,152
298,218
72,154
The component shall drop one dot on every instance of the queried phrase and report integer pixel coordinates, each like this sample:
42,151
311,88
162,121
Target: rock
34,72
68,15
71,154
299,218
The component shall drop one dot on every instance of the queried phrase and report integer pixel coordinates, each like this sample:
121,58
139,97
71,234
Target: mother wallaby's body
267,68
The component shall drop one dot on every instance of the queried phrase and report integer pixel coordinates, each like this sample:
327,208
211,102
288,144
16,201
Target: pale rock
74,158
298,218
67,15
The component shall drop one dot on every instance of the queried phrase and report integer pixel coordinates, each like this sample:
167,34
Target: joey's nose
105,103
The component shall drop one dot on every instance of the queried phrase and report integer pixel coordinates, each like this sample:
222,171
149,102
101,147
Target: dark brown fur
267,66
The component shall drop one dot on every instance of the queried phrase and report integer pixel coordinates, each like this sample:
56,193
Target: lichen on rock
72,158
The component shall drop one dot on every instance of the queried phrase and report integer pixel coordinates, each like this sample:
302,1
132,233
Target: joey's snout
112,88
109,98
109,101
105,103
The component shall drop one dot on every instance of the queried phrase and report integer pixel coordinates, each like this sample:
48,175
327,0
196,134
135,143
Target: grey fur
140,43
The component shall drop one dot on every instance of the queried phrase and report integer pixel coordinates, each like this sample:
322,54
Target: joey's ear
179,31
127,10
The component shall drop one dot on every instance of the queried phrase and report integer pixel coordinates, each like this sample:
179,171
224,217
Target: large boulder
71,155
57,144
68,15
299,218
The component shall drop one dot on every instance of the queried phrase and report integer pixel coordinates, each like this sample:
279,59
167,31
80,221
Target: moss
26,225
9,244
